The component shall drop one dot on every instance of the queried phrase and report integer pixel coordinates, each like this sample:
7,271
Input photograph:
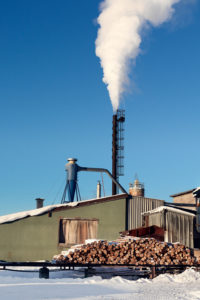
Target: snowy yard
18,285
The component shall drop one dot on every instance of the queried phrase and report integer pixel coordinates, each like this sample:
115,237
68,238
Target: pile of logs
130,252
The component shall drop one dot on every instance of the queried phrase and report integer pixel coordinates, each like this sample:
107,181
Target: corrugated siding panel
157,219
179,227
138,205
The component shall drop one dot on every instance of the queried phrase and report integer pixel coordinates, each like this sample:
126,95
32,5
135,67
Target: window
76,231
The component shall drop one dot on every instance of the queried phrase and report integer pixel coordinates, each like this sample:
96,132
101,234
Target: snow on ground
64,285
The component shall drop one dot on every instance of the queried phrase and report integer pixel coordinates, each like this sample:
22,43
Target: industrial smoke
120,34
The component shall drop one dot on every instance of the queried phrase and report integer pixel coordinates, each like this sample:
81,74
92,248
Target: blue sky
53,104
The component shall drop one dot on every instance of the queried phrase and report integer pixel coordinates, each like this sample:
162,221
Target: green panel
36,238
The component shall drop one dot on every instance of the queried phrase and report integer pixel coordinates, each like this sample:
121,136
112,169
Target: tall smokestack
118,147
114,154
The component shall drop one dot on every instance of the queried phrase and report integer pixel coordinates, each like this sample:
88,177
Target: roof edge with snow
41,211
34,212
167,208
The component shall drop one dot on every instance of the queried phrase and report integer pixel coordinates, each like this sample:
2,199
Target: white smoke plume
119,37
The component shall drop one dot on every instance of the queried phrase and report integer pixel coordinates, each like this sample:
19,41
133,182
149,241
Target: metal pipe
104,171
71,186
98,190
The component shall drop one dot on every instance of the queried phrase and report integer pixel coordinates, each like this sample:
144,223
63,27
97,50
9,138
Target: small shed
177,224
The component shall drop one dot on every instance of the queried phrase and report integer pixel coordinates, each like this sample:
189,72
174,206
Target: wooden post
153,272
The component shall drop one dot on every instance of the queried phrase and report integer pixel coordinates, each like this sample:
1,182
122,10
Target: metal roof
183,193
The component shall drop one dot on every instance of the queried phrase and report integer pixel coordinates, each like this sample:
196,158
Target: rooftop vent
39,202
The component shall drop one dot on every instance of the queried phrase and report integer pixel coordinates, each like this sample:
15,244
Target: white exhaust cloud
119,37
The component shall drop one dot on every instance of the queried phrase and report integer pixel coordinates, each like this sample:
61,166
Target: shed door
76,231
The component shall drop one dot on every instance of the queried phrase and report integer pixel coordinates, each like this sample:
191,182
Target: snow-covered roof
167,208
46,209
33,212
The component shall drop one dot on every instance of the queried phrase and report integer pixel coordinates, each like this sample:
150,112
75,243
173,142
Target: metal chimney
114,154
117,147
39,202
98,190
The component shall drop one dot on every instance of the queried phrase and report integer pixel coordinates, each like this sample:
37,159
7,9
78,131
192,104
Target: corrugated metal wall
138,205
179,227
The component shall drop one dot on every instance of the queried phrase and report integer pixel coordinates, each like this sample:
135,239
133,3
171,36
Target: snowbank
13,285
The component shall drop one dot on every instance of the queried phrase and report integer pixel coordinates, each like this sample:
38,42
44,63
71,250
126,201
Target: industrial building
41,233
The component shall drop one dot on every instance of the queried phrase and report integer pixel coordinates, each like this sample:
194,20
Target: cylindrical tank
136,189
72,170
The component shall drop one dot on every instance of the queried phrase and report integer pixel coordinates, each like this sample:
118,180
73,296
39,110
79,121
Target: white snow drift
13,285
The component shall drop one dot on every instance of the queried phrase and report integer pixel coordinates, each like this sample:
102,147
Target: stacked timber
146,251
